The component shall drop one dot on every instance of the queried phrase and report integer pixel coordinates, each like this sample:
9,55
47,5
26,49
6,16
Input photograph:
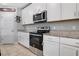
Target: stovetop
40,32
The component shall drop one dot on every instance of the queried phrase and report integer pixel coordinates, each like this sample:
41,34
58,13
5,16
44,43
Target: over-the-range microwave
40,17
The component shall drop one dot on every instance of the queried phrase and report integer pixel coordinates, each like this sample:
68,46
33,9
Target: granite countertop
22,31
62,33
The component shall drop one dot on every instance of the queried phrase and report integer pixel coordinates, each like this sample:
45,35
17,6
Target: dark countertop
74,34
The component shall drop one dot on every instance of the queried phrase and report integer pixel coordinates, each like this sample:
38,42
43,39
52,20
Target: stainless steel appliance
36,40
40,17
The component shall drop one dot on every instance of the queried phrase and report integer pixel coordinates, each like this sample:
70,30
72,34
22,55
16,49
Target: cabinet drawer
69,41
51,48
66,50
25,34
50,38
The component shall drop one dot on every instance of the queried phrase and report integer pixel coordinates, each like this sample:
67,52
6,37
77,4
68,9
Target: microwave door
38,17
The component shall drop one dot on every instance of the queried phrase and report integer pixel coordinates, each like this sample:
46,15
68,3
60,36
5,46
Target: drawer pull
76,52
77,43
49,38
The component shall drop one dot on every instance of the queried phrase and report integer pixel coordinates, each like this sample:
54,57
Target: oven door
36,41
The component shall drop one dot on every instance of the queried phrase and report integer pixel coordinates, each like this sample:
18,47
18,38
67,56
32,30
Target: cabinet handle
74,13
49,38
78,13
76,52
77,42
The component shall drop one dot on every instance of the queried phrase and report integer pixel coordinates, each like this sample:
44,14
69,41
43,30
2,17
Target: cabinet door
27,15
50,38
66,50
53,11
43,7
24,15
68,10
19,36
30,15
26,42
39,7
77,10
24,39
50,48
78,52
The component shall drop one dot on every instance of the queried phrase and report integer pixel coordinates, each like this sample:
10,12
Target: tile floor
15,50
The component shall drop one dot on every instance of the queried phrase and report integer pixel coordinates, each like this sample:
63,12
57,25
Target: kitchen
39,29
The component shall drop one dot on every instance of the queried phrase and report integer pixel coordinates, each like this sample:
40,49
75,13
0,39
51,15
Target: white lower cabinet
50,46
23,38
69,46
60,46
51,49
66,50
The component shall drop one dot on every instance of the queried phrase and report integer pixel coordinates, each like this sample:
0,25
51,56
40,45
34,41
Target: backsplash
64,25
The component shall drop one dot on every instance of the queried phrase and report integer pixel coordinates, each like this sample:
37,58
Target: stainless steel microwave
40,17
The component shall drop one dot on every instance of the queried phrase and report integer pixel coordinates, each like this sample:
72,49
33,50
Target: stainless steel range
36,40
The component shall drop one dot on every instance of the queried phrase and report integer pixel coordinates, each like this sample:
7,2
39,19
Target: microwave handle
44,14
41,15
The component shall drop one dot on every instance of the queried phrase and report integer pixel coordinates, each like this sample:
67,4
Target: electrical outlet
74,27
54,27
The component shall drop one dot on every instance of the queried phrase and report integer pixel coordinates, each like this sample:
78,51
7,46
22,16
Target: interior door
8,27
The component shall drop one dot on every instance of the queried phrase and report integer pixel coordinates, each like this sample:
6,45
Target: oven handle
39,20
35,35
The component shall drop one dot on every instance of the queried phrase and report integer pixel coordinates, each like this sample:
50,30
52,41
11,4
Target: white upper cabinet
68,10
62,11
23,15
43,7
39,7
27,15
77,10
28,12
53,11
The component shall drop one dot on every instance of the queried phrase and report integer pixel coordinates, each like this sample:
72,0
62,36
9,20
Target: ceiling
16,5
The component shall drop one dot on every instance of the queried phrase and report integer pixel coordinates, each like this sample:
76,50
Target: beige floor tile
15,50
